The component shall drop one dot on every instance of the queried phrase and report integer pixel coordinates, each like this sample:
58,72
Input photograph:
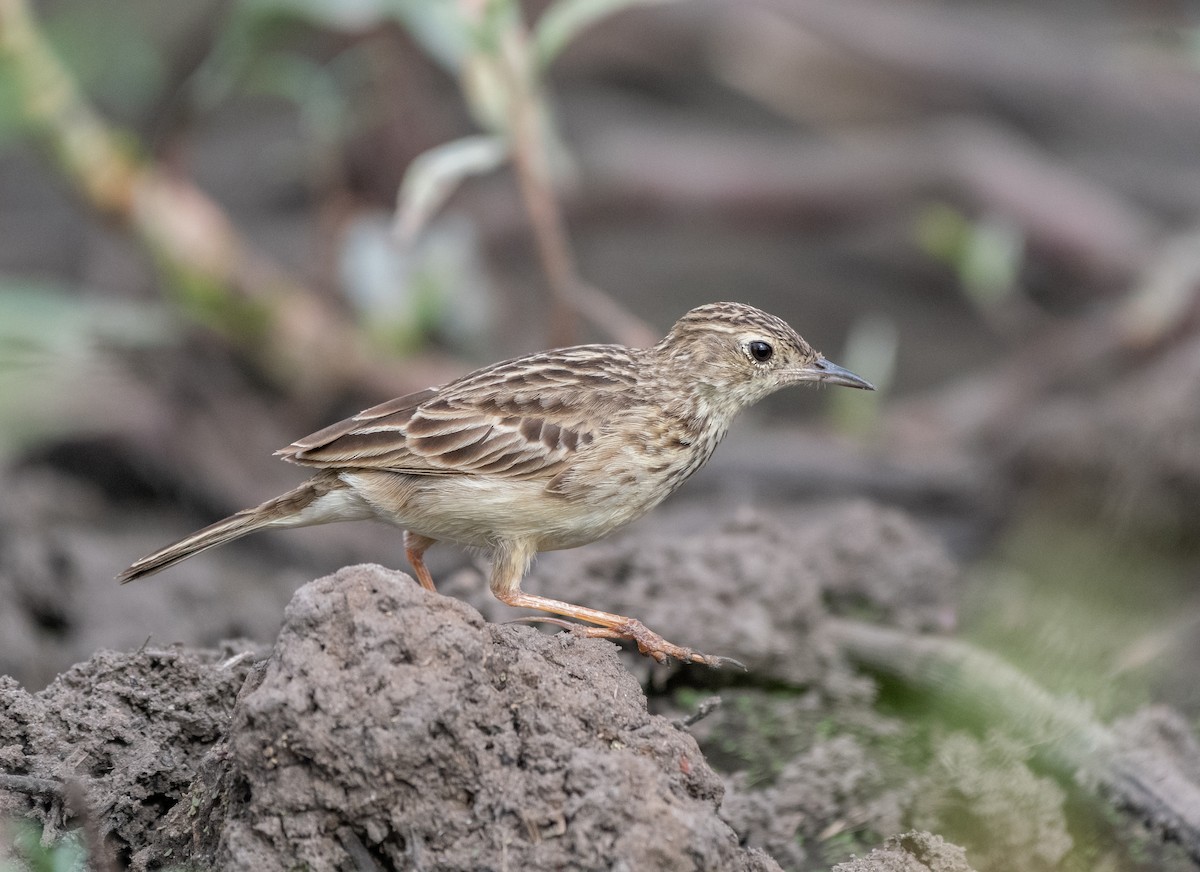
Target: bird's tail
310,503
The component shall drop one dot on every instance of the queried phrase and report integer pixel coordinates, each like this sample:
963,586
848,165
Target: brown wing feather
516,419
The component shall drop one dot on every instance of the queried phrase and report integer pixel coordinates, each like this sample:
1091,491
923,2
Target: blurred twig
295,337
31,785
501,75
1166,298
531,161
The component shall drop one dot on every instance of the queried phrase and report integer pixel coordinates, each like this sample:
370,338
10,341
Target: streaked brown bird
539,453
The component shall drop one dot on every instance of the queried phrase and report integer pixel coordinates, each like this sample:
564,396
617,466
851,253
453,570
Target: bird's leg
415,546
508,567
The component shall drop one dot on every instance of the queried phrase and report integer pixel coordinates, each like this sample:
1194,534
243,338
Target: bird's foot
648,642
653,645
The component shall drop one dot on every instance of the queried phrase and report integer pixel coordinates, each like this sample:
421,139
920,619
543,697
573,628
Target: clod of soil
130,728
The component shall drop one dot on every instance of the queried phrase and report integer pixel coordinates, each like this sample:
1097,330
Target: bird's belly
480,512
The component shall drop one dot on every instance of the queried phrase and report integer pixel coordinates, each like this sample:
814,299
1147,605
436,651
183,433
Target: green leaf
992,260
987,253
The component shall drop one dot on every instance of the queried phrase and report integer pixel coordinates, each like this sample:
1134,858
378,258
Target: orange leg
415,546
508,567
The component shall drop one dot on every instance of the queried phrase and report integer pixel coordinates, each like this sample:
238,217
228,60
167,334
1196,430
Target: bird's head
735,355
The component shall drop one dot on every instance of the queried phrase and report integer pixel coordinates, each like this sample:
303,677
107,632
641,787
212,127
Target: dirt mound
396,723
393,728
390,726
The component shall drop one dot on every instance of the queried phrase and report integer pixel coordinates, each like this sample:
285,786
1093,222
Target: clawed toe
653,645
648,642
713,660
718,662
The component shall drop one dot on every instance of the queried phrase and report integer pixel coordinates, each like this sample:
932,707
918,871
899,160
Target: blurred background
224,225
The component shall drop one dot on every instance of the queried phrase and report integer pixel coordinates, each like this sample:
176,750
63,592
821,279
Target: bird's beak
831,374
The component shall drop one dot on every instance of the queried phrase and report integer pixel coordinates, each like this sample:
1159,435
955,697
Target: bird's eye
761,351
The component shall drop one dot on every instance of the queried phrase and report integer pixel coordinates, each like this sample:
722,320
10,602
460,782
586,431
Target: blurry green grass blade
13,121
433,176
941,232
52,368
48,317
992,260
566,19
986,253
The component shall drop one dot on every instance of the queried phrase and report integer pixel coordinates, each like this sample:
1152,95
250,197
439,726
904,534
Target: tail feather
296,508
233,527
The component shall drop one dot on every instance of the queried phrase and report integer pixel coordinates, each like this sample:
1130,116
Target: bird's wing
515,419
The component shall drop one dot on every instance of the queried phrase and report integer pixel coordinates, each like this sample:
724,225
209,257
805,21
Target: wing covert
517,419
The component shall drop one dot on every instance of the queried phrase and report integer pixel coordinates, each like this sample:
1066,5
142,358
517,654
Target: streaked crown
736,319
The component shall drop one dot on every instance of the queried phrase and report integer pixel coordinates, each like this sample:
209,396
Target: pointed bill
829,373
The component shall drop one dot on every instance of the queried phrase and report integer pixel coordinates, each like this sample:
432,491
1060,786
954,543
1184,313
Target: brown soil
388,724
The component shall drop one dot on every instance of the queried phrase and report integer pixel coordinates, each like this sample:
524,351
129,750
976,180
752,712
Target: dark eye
761,351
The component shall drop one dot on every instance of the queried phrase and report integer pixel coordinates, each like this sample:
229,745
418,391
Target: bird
547,451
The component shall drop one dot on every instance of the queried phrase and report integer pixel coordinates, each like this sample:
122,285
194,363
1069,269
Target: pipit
543,452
